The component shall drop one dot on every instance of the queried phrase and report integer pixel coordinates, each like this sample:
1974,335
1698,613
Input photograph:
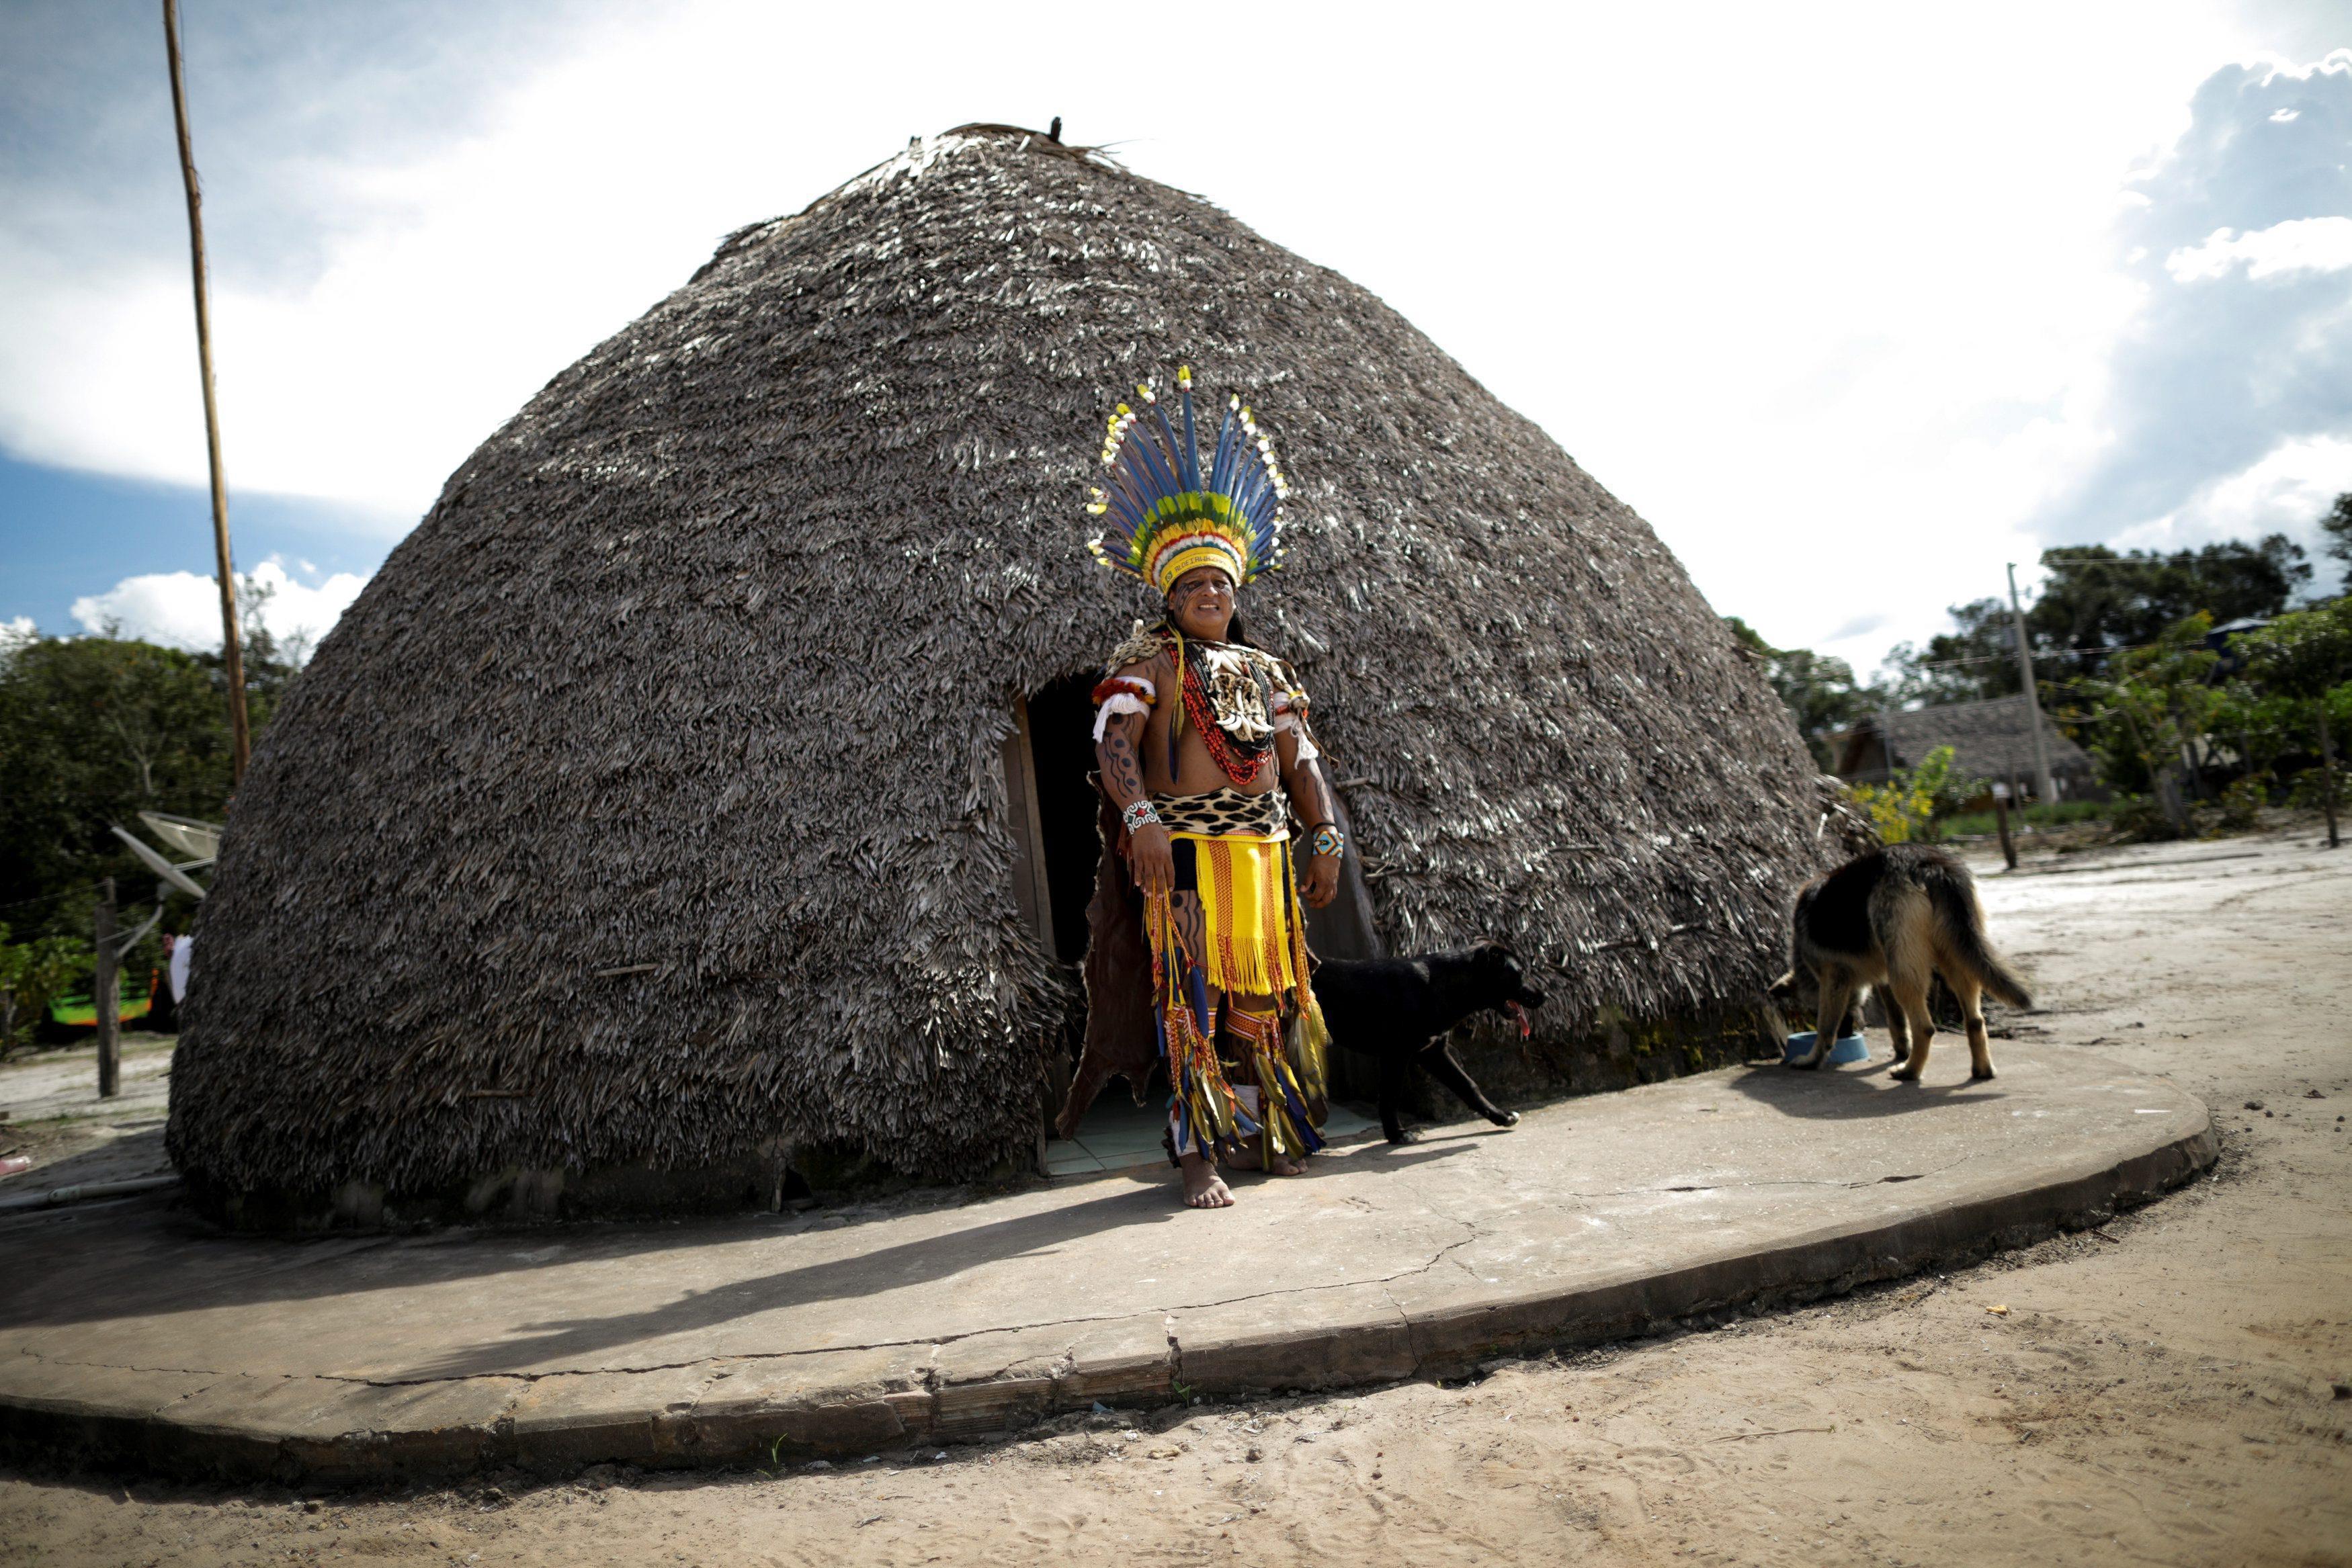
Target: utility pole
2327,775
2032,695
106,994
232,656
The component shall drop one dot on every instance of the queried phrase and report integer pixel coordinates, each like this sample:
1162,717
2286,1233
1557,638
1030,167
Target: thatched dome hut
699,778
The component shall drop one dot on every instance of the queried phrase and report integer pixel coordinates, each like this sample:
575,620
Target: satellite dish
185,834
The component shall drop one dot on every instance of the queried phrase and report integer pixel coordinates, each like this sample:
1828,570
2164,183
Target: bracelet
1137,814
1329,840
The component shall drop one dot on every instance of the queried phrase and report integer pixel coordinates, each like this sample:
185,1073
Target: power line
2046,653
90,891
50,897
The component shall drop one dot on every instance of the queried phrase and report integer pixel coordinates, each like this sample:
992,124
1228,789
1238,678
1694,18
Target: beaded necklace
1245,765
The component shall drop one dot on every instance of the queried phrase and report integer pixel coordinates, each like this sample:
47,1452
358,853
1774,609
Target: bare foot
1203,1188
1285,1166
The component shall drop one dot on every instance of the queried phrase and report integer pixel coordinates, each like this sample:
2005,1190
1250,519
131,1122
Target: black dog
1400,1011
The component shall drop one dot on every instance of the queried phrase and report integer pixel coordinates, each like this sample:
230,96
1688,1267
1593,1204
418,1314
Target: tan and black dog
1896,917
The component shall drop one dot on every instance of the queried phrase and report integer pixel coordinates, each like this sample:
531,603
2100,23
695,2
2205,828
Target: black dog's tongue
1527,1024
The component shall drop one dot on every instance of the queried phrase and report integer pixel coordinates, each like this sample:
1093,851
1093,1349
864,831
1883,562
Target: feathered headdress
1166,517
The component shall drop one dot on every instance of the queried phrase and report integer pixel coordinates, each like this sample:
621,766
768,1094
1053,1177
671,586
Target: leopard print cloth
1227,810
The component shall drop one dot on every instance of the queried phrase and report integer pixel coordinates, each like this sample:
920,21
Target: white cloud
2287,492
2298,245
2221,396
182,609
15,633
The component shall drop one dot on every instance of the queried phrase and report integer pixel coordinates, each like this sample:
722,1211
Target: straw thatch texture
1991,740
648,802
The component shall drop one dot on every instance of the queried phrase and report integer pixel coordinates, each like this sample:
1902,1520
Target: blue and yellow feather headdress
1165,517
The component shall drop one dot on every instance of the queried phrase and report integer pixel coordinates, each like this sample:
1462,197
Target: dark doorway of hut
1048,762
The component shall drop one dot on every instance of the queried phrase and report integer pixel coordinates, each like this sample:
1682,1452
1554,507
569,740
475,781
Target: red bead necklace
1243,769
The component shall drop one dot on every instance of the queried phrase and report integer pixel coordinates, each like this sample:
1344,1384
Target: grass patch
2056,814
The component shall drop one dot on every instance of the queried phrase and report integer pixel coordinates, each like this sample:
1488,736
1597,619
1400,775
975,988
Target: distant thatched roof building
1992,740
701,772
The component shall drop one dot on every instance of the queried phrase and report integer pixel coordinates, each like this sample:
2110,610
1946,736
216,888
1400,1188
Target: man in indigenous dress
1205,752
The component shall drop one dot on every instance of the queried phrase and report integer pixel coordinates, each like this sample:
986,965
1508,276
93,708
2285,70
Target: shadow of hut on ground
1146,1201
147,1257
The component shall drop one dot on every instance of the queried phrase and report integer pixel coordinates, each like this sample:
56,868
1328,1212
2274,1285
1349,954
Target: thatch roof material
1991,740
648,802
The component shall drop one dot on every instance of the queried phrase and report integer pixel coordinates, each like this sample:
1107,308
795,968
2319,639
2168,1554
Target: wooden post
107,994
2327,775
240,731
2000,816
2041,787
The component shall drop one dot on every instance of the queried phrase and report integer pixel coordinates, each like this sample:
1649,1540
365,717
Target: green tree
31,972
2149,718
94,731
1820,693
2095,602
2305,659
1977,659
2338,526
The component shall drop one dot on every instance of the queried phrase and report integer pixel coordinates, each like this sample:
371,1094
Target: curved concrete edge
848,1402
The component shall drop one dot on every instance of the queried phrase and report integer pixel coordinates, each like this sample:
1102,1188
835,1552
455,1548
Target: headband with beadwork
1165,517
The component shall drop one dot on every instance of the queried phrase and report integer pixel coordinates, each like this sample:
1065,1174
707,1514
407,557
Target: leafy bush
2239,808
2138,818
1913,802
2307,789
31,974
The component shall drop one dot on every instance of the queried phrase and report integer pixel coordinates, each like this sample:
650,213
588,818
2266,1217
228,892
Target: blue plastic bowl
1846,1052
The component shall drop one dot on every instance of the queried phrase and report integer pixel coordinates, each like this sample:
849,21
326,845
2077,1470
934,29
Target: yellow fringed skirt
1253,944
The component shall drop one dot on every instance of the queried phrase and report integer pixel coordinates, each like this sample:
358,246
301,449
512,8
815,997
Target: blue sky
1853,302
79,532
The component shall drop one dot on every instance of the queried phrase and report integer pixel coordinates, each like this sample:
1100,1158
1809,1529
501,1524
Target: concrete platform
130,1335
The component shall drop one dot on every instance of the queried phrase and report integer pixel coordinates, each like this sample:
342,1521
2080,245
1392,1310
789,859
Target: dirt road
50,1113
2169,1389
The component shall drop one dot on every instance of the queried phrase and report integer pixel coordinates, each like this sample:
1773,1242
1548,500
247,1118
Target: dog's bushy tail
1955,896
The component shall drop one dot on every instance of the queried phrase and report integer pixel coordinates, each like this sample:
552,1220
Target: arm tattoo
1122,767
1122,773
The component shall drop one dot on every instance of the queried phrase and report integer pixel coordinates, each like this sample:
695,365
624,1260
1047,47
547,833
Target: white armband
1118,702
1118,695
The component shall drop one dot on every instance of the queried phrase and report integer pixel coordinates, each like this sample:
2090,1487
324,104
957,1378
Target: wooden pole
2042,790
232,655
107,993
2000,816
2327,775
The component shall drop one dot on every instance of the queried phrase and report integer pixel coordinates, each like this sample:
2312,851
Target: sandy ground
50,1113
2167,1389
